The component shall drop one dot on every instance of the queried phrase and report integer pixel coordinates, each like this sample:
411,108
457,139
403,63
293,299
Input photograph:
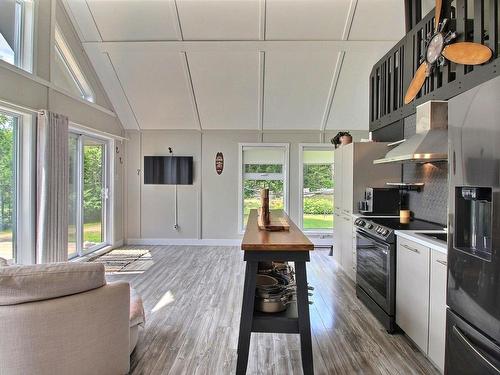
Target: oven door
375,270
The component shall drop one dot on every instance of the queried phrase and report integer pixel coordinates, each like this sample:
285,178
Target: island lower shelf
283,322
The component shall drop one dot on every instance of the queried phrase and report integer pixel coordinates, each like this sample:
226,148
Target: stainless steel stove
384,228
376,263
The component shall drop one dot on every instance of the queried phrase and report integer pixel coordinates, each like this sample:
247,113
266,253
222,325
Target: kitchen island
285,246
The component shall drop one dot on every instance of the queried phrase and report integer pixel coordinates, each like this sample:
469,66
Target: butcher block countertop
256,239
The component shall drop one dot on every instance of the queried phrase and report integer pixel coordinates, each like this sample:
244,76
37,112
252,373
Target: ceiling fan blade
467,53
437,14
416,83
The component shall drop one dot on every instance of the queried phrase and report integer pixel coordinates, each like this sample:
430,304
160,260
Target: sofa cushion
137,316
20,284
3,262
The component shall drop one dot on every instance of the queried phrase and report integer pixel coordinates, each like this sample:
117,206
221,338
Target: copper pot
345,139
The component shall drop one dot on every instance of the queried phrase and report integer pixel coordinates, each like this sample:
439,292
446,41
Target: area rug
125,260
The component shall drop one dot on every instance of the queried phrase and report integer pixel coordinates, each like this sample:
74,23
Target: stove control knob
385,232
369,226
361,223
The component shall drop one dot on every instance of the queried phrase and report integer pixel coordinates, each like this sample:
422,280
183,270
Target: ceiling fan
438,49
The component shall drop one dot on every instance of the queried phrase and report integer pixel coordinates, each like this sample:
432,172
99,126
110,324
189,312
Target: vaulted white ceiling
238,64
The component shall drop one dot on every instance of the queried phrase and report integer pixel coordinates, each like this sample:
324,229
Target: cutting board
277,222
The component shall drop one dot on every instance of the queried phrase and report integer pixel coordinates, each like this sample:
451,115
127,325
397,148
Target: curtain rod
75,124
96,131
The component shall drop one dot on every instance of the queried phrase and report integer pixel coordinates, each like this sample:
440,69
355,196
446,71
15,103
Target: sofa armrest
85,333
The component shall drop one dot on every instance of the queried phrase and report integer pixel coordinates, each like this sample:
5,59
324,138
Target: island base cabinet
412,291
437,309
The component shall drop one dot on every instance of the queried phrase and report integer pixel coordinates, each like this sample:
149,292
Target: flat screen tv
168,170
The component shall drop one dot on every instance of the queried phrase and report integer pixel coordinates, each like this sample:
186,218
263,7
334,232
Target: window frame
70,63
241,176
302,147
24,241
108,206
24,33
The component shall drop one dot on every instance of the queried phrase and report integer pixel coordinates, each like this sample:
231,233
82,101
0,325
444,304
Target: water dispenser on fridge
473,220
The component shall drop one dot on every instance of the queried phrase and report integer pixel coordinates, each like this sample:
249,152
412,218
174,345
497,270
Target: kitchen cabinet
338,235
354,171
347,203
437,308
346,245
343,244
421,297
337,183
412,291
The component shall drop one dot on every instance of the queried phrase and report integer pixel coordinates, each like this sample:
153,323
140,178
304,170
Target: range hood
430,143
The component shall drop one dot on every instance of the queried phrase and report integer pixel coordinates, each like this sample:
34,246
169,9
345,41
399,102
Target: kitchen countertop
415,236
358,215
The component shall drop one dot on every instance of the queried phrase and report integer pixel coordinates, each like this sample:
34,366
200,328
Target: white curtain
52,188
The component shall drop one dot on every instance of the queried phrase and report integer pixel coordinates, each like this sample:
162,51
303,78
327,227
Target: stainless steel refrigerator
473,295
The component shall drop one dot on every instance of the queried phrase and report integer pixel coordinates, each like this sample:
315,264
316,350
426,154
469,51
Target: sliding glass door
94,193
73,196
88,189
8,184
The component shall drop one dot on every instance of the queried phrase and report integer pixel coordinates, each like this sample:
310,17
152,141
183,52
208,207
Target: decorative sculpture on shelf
342,138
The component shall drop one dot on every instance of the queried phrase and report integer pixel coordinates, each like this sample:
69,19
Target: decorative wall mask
219,163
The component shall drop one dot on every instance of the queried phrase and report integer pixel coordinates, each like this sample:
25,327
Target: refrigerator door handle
471,346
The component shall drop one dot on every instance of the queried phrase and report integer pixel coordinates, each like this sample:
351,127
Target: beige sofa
64,318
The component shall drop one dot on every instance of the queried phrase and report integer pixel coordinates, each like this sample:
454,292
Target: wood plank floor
193,295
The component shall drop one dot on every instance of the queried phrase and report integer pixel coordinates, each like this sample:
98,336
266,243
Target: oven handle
385,245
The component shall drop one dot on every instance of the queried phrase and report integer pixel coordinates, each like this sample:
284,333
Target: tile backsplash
431,203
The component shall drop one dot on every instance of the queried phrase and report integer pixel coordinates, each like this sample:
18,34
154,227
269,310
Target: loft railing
473,20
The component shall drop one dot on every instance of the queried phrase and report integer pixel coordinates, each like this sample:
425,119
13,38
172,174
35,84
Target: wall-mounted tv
168,170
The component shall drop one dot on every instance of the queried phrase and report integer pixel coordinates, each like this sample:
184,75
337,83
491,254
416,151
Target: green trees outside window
317,184
8,125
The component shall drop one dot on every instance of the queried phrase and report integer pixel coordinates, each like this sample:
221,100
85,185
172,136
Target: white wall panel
135,20
158,215
350,106
157,86
227,88
378,20
297,86
305,20
220,19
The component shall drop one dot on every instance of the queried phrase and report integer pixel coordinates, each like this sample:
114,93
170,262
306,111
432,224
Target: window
67,73
262,166
88,194
8,185
16,33
317,187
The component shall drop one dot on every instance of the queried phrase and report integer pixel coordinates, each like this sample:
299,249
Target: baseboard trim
118,243
318,241
184,241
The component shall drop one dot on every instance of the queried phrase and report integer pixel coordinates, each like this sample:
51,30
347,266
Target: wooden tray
277,222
